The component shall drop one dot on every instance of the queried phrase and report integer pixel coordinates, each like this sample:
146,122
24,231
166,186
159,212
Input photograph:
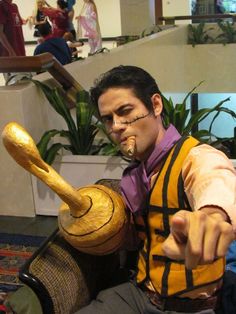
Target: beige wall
136,16
173,7
176,66
23,105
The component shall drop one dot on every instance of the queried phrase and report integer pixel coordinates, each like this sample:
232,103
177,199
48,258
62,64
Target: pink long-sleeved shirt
210,180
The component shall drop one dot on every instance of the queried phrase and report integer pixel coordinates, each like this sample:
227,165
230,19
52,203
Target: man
57,46
71,13
182,198
11,35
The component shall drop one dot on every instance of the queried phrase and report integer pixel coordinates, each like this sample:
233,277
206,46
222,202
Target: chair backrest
65,279
113,184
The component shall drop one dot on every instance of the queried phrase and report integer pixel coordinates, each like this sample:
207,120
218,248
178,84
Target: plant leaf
42,145
52,152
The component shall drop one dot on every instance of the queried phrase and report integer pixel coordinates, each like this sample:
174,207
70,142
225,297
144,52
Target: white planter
77,171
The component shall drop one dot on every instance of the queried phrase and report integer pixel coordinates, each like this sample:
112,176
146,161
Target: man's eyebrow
122,107
118,110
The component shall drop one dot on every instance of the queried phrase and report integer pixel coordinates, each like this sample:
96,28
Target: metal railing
172,19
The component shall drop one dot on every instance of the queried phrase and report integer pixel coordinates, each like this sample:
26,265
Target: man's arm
200,236
38,50
4,41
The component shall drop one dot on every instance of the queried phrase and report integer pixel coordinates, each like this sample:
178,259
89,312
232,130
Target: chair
65,279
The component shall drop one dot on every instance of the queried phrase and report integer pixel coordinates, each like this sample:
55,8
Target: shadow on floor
38,226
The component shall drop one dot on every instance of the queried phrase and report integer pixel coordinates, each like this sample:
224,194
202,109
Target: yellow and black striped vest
169,277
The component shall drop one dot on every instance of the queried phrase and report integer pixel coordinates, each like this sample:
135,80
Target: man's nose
118,125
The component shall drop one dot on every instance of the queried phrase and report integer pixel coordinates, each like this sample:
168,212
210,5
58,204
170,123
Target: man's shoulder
41,47
57,39
51,44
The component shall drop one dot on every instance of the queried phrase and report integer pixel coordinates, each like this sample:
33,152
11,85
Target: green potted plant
80,133
83,160
179,115
197,35
125,39
151,30
228,35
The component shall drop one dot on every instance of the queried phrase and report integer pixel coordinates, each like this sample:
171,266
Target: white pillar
136,15
173,7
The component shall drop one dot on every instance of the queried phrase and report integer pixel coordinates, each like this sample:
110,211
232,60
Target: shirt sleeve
38,50
210,180
50,12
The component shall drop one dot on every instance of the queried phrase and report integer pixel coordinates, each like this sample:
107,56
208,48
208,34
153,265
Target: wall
136,15
24,105
175,8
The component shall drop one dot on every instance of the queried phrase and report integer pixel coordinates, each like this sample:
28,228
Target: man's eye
106,119
125,111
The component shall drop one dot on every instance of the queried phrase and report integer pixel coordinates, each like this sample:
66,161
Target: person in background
88,26
57,46
73,45
182,197
38,17
71,13
11,34
59,18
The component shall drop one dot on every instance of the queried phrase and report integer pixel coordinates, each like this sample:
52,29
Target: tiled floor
39,225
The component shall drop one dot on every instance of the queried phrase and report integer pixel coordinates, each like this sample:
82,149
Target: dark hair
126,76
44,29
62,4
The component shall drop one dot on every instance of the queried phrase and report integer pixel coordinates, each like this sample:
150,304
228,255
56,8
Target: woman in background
38,17
58,17
88,26
71,13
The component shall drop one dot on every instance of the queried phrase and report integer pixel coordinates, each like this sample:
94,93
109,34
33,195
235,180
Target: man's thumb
179,227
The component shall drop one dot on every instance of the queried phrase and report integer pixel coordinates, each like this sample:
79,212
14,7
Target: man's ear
157,104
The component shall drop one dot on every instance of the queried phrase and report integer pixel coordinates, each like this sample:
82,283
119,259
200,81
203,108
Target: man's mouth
128,143
123,140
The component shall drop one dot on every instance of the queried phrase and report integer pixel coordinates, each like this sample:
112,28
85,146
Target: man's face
125,115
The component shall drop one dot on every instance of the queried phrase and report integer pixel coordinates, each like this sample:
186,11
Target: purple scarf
135,182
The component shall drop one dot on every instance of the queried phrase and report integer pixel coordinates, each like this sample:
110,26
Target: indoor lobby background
177,67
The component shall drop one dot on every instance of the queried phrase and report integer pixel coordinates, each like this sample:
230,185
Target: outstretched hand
198,237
